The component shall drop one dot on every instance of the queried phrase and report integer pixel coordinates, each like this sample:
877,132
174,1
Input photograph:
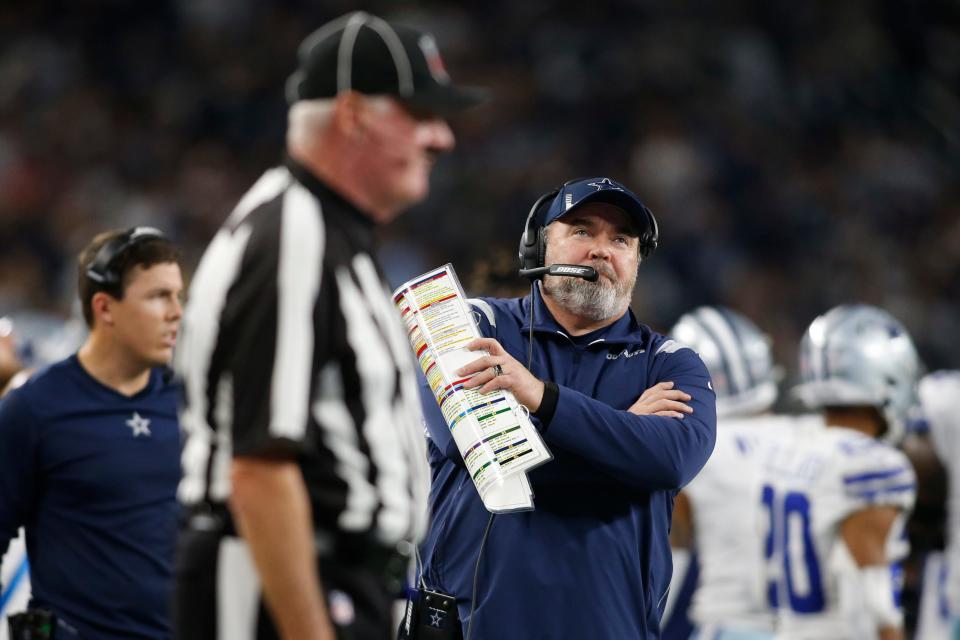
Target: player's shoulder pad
875,473
756,435
739,436
765,426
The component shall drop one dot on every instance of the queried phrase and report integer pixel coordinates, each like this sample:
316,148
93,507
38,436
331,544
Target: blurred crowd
797,154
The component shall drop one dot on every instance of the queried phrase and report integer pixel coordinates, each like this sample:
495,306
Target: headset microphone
570,270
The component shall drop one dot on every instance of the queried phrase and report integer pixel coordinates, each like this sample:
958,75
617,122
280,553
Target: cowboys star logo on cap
577,193
604,184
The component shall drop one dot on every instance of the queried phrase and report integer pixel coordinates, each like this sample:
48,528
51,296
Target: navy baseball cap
364,53
577,193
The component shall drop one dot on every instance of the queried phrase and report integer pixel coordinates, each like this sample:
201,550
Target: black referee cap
362,52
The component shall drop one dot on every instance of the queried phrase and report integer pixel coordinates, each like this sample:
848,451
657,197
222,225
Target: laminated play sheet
492,431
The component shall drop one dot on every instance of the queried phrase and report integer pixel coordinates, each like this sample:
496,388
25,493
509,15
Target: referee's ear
347,110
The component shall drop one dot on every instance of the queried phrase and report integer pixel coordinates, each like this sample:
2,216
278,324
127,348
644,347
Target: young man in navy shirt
628,414
89,450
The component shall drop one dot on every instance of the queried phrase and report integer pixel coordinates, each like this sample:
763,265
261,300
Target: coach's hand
500,370
662,400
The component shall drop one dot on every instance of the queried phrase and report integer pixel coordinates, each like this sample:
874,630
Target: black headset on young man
533,247
102,270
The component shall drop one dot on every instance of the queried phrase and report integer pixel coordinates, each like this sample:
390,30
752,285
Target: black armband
548,406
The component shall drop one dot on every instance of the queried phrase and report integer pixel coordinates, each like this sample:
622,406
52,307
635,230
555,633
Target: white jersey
940,400
811,485
725,500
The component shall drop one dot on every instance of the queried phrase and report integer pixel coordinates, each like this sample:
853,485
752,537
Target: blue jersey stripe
870,494
874,475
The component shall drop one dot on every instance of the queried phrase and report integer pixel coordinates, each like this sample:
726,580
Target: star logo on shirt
139,425
604,184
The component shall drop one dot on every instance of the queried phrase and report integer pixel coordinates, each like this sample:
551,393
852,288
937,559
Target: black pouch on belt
32,624
431,615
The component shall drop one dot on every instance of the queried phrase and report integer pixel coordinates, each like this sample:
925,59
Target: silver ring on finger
497,370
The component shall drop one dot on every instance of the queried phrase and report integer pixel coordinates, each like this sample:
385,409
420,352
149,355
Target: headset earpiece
532,245
650,238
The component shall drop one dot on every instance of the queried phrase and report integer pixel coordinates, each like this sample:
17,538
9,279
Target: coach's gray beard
597,301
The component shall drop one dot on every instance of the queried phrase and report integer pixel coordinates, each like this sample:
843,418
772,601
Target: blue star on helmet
604,184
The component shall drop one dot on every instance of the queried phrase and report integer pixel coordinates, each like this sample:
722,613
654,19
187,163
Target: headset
533,250
101,269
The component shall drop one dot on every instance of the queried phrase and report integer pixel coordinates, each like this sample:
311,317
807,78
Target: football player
837,500
718,515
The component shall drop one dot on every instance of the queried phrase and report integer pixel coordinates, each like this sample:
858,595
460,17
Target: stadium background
797,154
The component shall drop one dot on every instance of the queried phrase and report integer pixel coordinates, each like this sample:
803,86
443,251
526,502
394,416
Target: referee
304,464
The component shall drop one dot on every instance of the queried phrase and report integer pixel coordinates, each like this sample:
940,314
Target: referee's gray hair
304,117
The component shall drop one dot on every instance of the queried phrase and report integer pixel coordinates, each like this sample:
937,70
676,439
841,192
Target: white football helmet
858,355
737,355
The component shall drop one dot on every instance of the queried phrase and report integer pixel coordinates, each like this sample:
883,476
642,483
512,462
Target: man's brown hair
144,252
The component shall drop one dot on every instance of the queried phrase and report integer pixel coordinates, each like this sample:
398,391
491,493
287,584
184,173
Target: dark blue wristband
548,406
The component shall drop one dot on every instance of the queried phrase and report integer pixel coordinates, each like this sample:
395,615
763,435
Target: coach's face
147,318
604,237
402,145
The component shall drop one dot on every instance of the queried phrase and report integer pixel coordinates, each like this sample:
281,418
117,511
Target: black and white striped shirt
290,346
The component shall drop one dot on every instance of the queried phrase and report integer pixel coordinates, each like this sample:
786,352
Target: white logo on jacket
625,353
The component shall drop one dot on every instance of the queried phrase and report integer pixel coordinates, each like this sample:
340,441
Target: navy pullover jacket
593,559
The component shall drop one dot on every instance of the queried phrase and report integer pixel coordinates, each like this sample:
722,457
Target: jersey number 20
789,543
